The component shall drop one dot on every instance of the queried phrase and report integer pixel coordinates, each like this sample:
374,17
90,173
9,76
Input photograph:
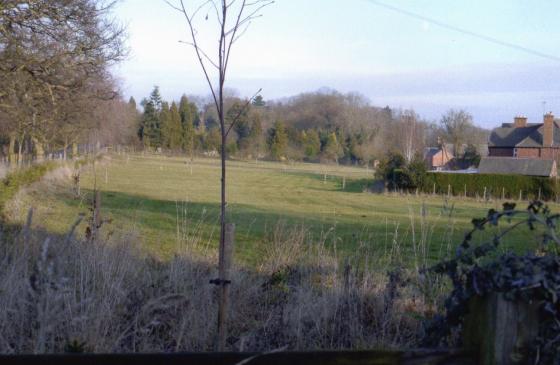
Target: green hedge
495,184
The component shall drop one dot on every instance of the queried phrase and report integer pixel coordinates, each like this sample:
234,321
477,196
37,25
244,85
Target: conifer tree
255,135
188,115
242,126
259,101
277,140
175,128
132,103
165,125
312,144
150,126
332,149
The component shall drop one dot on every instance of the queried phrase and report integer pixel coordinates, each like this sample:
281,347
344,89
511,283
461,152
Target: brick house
526,140
438,158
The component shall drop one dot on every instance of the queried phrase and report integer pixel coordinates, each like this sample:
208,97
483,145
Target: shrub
19,178
397,174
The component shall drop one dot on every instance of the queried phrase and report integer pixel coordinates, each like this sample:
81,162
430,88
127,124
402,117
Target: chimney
548,131
519,121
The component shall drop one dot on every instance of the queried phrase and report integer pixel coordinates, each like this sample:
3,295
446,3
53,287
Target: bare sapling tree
233,18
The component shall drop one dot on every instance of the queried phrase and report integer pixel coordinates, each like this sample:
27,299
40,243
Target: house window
515,152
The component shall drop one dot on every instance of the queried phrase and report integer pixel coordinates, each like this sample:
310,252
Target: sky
406,55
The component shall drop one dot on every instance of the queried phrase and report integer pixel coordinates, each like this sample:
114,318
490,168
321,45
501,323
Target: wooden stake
226,258
343,182
520,195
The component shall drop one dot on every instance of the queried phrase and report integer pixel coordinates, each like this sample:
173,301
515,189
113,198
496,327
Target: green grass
162,200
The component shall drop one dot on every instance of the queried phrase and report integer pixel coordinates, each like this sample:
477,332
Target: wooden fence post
343,182
223,282
434,192
449,190
484,197
520,195
500,331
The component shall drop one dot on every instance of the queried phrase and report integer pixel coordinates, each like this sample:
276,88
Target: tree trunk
20,149
11,152
39,150
74,150
65,149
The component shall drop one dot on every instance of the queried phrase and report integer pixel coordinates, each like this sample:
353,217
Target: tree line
325,126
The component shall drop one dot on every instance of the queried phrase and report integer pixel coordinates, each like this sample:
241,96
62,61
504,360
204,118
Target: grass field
169,200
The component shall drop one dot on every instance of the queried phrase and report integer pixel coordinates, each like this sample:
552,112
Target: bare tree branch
241,111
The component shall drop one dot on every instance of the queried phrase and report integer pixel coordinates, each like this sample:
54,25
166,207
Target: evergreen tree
155,98
165,125
132,103
239,115
213,140
150,125
259,101
189,114
277,140
332,149
255,136
175,129
312,144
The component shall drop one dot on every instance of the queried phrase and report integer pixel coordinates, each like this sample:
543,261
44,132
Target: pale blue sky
356,45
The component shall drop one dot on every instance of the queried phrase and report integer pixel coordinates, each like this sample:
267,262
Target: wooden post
343,182
503,193
448,190
484,197
226,258
539,198
96,221
520,195
325,178
434,191
500,331
465,190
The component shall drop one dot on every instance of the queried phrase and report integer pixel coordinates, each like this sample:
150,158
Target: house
518,166
537,141
438,158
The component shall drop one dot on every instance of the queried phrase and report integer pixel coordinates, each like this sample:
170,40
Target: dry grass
61,293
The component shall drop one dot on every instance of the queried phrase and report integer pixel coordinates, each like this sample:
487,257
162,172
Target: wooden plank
500,331
291,358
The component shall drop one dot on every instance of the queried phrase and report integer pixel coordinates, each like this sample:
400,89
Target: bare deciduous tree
233,17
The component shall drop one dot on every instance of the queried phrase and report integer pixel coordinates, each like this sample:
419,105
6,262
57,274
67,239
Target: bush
397,174
18,179
495,184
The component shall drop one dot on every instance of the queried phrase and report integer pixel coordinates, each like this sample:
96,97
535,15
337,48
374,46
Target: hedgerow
506,186
20,178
